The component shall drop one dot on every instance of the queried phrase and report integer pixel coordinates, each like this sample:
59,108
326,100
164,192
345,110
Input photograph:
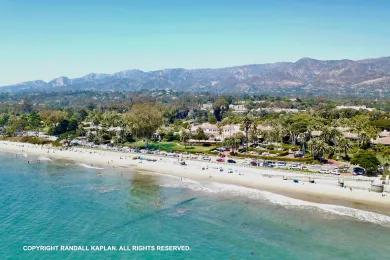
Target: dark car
231,161
268,164
358,171
254,163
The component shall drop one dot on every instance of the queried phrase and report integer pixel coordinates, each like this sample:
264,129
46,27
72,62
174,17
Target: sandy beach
325,190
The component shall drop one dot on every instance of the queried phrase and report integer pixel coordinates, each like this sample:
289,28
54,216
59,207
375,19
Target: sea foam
90,166
42,158
358,214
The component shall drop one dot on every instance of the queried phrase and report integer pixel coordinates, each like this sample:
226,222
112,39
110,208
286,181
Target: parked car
254,163
335,171
205,158
268,164
295,167
280,164
220,160
358,171
231,161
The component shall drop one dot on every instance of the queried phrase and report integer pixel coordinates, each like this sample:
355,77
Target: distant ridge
307,76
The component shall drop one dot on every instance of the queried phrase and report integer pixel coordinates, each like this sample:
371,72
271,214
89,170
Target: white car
335,172
295,167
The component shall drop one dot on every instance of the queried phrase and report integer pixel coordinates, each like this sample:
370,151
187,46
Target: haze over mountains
365,78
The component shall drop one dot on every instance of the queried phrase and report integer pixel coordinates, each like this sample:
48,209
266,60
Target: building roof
382,140
343,129
204,126
316,133
355,107
384,133
350,135
264,127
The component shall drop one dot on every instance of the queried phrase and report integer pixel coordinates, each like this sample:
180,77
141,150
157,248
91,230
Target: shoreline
324,191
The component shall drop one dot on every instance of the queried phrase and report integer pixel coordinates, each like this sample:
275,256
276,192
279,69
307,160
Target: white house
278,110
219,133
207,107
238,108
355,108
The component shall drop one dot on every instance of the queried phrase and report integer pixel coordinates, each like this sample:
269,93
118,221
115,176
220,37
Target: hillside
368,78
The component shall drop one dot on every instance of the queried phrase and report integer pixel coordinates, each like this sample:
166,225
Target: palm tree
303,139
330,135
318,148
229,142
247,123
363,139
276,134
234,141
254,134
220,129
185,136
365,135
344,145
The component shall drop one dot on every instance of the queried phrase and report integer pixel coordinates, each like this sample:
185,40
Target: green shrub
276,158
366,160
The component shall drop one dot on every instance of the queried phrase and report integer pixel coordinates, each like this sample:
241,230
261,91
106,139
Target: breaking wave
42,158
358,214
90,166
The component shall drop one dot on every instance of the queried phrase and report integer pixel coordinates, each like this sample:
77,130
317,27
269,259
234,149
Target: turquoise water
60,203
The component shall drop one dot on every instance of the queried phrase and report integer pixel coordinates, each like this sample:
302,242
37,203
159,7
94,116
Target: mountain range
367,78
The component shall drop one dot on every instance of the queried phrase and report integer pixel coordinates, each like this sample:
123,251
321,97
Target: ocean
75,211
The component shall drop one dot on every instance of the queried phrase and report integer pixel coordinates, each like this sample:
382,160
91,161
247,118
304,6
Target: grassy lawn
173,147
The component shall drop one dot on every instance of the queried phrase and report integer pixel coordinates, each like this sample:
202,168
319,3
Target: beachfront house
41,135
240,108
220,133
343,130
355,108
207,107
216,132
278,110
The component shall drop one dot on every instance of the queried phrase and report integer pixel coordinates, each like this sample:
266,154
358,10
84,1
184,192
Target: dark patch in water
146,216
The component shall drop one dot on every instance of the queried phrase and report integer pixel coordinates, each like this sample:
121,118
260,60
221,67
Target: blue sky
46,39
